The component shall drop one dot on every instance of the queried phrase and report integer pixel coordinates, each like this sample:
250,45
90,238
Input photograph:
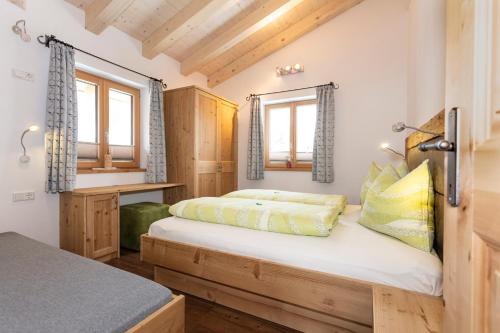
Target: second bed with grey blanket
45,289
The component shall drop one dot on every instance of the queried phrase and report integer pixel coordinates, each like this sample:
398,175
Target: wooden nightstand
396,310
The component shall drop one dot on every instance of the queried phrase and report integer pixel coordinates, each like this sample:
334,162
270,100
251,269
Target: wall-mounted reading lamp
450,145
25,158
389,148
400,127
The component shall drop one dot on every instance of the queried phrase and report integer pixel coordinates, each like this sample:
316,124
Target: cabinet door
102,225
207,148
228,147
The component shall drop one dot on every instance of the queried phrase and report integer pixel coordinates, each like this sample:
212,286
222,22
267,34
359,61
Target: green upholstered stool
135,220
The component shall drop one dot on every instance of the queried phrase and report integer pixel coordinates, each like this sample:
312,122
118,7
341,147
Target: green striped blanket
275,216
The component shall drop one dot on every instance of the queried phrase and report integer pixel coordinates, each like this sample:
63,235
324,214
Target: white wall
426,60
23,104
365,50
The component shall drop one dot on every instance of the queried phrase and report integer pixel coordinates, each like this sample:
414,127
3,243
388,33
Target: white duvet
351,250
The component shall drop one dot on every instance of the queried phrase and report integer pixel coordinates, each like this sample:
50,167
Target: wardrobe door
180,141
228,147
207,151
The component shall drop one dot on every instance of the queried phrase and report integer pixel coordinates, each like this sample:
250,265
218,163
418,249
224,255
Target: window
289,134
108,121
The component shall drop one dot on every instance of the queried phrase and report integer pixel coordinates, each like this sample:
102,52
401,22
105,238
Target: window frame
103,87
296,166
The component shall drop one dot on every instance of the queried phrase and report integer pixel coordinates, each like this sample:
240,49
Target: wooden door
207,147
472,230
228,153
102,225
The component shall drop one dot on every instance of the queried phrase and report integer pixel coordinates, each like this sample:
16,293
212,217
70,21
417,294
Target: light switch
23,75
23,196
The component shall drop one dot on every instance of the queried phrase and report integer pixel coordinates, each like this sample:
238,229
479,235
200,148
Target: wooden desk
89,218
396,310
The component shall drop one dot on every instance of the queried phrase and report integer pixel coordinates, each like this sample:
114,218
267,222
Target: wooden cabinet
89,218
89,225
201,141
102,225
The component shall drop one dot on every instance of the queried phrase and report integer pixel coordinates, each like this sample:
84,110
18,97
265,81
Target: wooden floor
203,316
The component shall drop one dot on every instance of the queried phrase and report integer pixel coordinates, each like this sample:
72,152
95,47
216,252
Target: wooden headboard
436,163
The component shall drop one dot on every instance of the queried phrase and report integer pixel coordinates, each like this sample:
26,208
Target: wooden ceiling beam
308,23
189,17
234,31
102,13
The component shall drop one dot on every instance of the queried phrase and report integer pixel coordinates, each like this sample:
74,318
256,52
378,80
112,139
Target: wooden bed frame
302,299
169,318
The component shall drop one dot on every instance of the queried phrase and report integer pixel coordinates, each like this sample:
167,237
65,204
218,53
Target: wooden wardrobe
201,142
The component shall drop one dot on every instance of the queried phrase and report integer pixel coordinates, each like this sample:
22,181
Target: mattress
351,250
45,289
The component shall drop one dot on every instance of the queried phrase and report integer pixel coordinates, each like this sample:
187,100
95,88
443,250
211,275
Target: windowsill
305,169
119,170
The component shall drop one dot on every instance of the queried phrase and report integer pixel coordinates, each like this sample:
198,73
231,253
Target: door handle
440,145
450,145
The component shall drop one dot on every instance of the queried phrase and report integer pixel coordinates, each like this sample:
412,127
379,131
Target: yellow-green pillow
402,169
373,172
385,178
404,209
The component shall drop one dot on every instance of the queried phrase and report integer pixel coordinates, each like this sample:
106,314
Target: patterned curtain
255,154
61,131
322,166
157,161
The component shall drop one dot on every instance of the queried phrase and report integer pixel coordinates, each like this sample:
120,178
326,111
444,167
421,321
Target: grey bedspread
45,289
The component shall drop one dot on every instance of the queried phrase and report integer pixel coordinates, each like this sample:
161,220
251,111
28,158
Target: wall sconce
289,69
25,158
400,126
387,147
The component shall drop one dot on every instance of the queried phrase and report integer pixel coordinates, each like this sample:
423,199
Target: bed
45,289
326,289
351,250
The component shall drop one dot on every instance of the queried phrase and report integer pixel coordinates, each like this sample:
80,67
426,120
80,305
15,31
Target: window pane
279,134
87,111
87,97
120,118
306,124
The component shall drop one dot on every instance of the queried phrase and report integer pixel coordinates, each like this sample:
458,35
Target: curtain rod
334,85
50,38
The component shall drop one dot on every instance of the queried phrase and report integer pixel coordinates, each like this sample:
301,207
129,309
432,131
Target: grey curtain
157,161
255,153
322,165
61,130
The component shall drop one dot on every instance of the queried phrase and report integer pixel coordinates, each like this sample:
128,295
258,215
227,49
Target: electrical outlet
23,75
23,196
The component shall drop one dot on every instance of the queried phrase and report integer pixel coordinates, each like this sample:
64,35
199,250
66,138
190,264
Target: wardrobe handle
115,201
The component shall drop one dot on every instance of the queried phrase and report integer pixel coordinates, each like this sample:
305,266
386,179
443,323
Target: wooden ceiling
218,38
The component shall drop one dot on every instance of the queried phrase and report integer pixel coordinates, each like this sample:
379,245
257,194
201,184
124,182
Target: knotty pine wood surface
202,316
